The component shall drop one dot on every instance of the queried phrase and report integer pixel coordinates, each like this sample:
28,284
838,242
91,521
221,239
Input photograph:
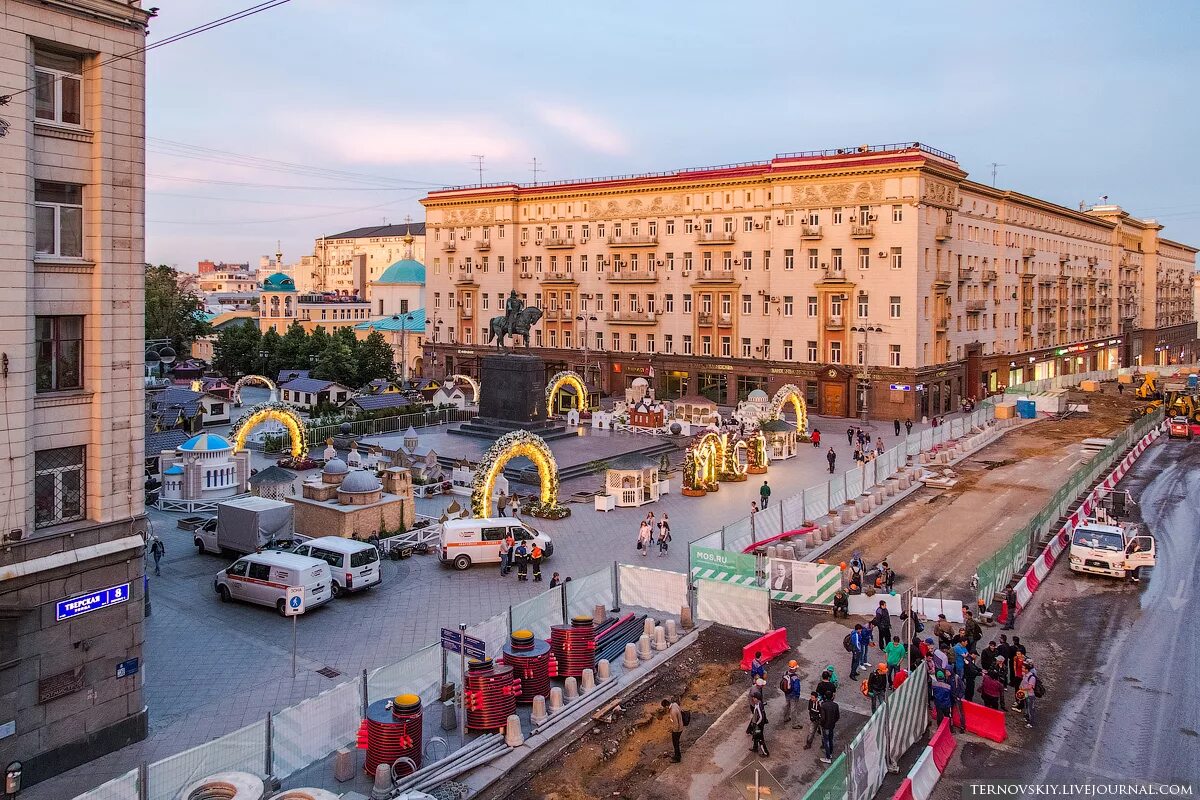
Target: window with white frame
747,260
894,303
668,343
898,213
616,342
58,87
836,259
706,345
864,308
746,304
747,224
837,216
894,355
814,258
669,304
58,486
789,259
746,347
835,352
811,346
787,305
726,347
687,344
787,349
864,258
812,306
687,303
58,208
670,226
897,258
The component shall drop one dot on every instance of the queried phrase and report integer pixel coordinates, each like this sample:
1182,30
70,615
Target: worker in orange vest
535,555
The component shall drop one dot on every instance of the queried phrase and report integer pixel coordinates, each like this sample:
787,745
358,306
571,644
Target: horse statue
499,327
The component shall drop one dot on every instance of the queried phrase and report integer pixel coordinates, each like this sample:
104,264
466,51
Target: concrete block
685,619
631,656
556,699
343,764
537,714
660,638
643,648
570,689
672,632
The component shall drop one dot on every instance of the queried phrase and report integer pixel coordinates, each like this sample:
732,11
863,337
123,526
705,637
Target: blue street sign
86,603
475,648
127,668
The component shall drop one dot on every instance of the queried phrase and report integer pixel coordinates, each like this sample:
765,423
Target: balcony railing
810,231
1028,252
632,317
862,231
466,313
621,275
725,320
942,276
943,233
449,247
560,242
964,273
832,274
1045,328
632,241
941,323
704,319
835,322
483,244
716,237
558,277
715,276
976,306
987,275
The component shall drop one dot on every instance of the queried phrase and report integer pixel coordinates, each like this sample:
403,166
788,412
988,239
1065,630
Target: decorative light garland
507,447
791,392
260,380
279,412
565,378
756,453
701,463
450,379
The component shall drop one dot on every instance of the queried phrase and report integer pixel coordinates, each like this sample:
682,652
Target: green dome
279,283
406,270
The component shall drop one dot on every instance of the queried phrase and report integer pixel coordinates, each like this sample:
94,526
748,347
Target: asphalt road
1123,702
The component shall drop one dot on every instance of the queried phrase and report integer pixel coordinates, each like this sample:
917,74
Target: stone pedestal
513,397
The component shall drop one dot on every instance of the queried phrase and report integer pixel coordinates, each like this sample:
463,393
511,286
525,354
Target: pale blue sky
1076,100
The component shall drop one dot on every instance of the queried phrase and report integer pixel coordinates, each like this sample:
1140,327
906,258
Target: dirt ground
626,750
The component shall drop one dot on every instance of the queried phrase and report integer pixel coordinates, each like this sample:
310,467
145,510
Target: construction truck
1113,550
1149,388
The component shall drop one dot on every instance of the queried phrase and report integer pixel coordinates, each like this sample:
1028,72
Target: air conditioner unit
758,225
872,217
774,298
779,220
658,263
853,218
687,272
737,261
524,242
538,242
882,254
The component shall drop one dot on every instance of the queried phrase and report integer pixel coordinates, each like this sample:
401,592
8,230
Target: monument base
512,398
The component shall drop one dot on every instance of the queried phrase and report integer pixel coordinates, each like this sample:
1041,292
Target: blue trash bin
1026,409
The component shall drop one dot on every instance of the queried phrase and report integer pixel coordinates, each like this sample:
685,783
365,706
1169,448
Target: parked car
354,565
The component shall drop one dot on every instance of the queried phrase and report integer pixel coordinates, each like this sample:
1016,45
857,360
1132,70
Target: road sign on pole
468,646
294,607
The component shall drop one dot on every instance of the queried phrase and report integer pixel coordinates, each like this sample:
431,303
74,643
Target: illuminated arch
732,468
702,465
277,412
258,380
561,379
451,379
507,447
756,453
790,393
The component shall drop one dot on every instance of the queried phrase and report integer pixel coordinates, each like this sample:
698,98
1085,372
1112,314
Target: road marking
1178,600
917,557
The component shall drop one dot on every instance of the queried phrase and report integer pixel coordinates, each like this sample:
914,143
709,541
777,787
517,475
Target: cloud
584,129
376,139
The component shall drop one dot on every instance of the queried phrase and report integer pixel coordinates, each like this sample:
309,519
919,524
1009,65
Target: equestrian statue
517,321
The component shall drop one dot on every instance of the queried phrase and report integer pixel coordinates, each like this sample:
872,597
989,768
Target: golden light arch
702,465
272,412
561,379
507,447
790,393
732,468
258,380
474,384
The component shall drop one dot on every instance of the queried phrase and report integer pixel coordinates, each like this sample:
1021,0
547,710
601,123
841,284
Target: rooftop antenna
995,166
479,166
535,170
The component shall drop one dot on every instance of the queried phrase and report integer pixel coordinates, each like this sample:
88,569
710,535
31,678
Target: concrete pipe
305,794
570,689
538,714
603,671
230,786
643,648
878,497
660,638
631,656
556,699
513,735
648,626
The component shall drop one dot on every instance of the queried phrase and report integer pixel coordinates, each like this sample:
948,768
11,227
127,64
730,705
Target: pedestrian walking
814,717
753,511
665,524
816,437
664,539
792,691
907,427
857,649
1120,388
644,537
987,659
960,654
1029,686
991,690
758,727
555,580
675,719
764,494
877,683
1010,601
850,435
501,502
974,631
757,668
894,654
889,577
971,674
831,457
883,624
958,691
535,556
943,699
830,712
827,686
896,425
158,550
521,555
514,505
505,554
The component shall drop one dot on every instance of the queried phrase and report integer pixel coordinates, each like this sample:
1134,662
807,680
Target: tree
268,350
290,353
314,346
173,308
375,359
236,350
336,363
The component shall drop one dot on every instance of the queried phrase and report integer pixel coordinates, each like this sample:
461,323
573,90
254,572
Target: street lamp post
585,319
403,346
864,378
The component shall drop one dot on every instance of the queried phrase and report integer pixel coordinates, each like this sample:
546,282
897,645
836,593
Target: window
897,213
706,345
600,230
58,486
650,343
837,216
59,353
897,258
58,208
789,259
729,225
670,226
669,304
652,227
687,344
746,301
837,259
616,303
599,340
537,264
58,84
787,305
812,306
863,307
747,224
835,352
616,342
671,261
894,355
746,348
766,348
747,260
585,232
726,305
500,262
524,235
668,343
633,343
707,263
708,226
727,260
814,258
864,258
689,226
687,261
789,218
583,265
813,219
766,301
726,347
706,304
894,302
787,349
812,351
766,260
687,303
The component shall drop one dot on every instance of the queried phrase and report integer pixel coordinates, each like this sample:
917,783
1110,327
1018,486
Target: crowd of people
646,540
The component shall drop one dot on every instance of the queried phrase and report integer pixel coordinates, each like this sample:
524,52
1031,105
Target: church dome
640,383
206,442
757,396
407,270
335,466
360,482
279,282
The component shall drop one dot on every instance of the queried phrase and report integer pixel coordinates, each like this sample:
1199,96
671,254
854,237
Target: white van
1113,550
264,578
353,565
477,541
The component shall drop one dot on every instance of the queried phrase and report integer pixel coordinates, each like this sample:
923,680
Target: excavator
1149,388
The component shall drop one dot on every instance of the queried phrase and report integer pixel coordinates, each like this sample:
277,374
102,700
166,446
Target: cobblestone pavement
211,668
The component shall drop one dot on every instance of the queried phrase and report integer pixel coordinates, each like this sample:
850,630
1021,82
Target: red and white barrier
924,775
1029,582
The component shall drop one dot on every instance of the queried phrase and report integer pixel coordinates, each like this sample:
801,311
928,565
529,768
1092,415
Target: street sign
295,600
93,601
475,648
127,668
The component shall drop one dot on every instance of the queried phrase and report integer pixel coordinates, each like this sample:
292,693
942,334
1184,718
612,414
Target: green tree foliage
172,308
341,357
336,363
236,352
376,359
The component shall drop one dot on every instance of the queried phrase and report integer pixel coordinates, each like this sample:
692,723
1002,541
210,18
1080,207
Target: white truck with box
247,525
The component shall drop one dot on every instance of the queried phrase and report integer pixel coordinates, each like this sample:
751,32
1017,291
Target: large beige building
71,335
869,275
349,261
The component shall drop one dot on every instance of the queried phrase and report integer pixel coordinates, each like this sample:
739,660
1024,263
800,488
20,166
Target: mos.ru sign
708,562
93,601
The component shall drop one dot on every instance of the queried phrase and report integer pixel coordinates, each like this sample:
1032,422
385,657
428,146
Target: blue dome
406,270
174,469
279,283
206,441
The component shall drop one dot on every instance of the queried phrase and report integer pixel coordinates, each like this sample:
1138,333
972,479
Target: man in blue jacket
943,696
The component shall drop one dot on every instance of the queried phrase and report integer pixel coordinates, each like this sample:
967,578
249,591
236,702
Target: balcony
704,320
560,242
943,233
1045,328
624,275
988,275
483,245
1064,258
466,313
449,247
716,237
976,306
1028,252
559,277
632,241
465,279
632,317
862,231
942,277
1026,330
810,231
716,276
835,323
964,273
725,320
941,323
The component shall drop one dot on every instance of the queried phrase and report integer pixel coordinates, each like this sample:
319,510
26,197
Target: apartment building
349,261
875,277
71,360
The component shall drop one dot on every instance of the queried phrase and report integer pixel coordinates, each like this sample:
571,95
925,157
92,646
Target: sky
382,100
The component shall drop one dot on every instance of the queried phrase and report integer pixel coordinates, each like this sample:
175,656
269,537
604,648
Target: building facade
280,305
874,277
347,262
72,337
